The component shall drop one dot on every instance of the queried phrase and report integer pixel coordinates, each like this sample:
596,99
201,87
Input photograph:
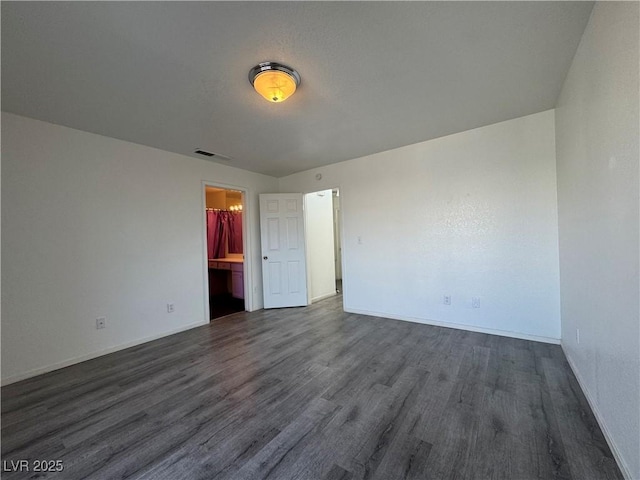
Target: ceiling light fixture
274,81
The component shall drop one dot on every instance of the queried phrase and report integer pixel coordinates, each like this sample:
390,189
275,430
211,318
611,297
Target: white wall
597,152
468,215
93,226
320,244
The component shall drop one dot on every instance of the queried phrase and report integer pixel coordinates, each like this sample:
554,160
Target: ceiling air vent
203,152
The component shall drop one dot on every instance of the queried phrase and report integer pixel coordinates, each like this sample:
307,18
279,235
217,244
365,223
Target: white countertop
228,260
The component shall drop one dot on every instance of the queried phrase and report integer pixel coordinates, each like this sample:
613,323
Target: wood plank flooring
310,393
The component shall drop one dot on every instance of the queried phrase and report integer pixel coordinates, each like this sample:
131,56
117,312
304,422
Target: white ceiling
375,75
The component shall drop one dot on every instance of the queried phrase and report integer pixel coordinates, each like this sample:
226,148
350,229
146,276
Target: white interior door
284,269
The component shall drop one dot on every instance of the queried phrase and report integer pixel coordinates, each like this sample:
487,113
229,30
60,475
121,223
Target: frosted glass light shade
273,81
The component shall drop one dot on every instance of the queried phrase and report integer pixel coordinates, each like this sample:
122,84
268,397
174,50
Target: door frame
247,263
341,237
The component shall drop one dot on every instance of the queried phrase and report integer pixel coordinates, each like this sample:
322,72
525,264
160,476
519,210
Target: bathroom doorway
225,250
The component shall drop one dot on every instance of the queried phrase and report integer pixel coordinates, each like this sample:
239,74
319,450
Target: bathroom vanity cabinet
227,274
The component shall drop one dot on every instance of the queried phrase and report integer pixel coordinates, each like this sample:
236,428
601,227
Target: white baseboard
322,297
458,326
624,468
89,356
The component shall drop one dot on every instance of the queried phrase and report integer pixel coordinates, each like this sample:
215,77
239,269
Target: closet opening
337,246
225,255
323,239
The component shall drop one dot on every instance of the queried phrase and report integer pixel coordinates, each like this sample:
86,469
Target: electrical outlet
170,307
475,302
446,299
101,322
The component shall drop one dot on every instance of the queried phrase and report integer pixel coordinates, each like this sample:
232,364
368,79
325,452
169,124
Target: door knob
265,258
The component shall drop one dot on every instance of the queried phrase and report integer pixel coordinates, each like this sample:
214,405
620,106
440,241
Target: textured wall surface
597,155
469,215
93,227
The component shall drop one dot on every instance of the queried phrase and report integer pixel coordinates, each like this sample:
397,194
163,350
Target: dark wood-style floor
223,305
311,393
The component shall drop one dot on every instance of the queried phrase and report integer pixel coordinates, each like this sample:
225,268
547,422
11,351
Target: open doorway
324,252
337,246
225,251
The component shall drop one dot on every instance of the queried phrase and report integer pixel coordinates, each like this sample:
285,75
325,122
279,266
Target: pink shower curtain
223,228
216,232
235,232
